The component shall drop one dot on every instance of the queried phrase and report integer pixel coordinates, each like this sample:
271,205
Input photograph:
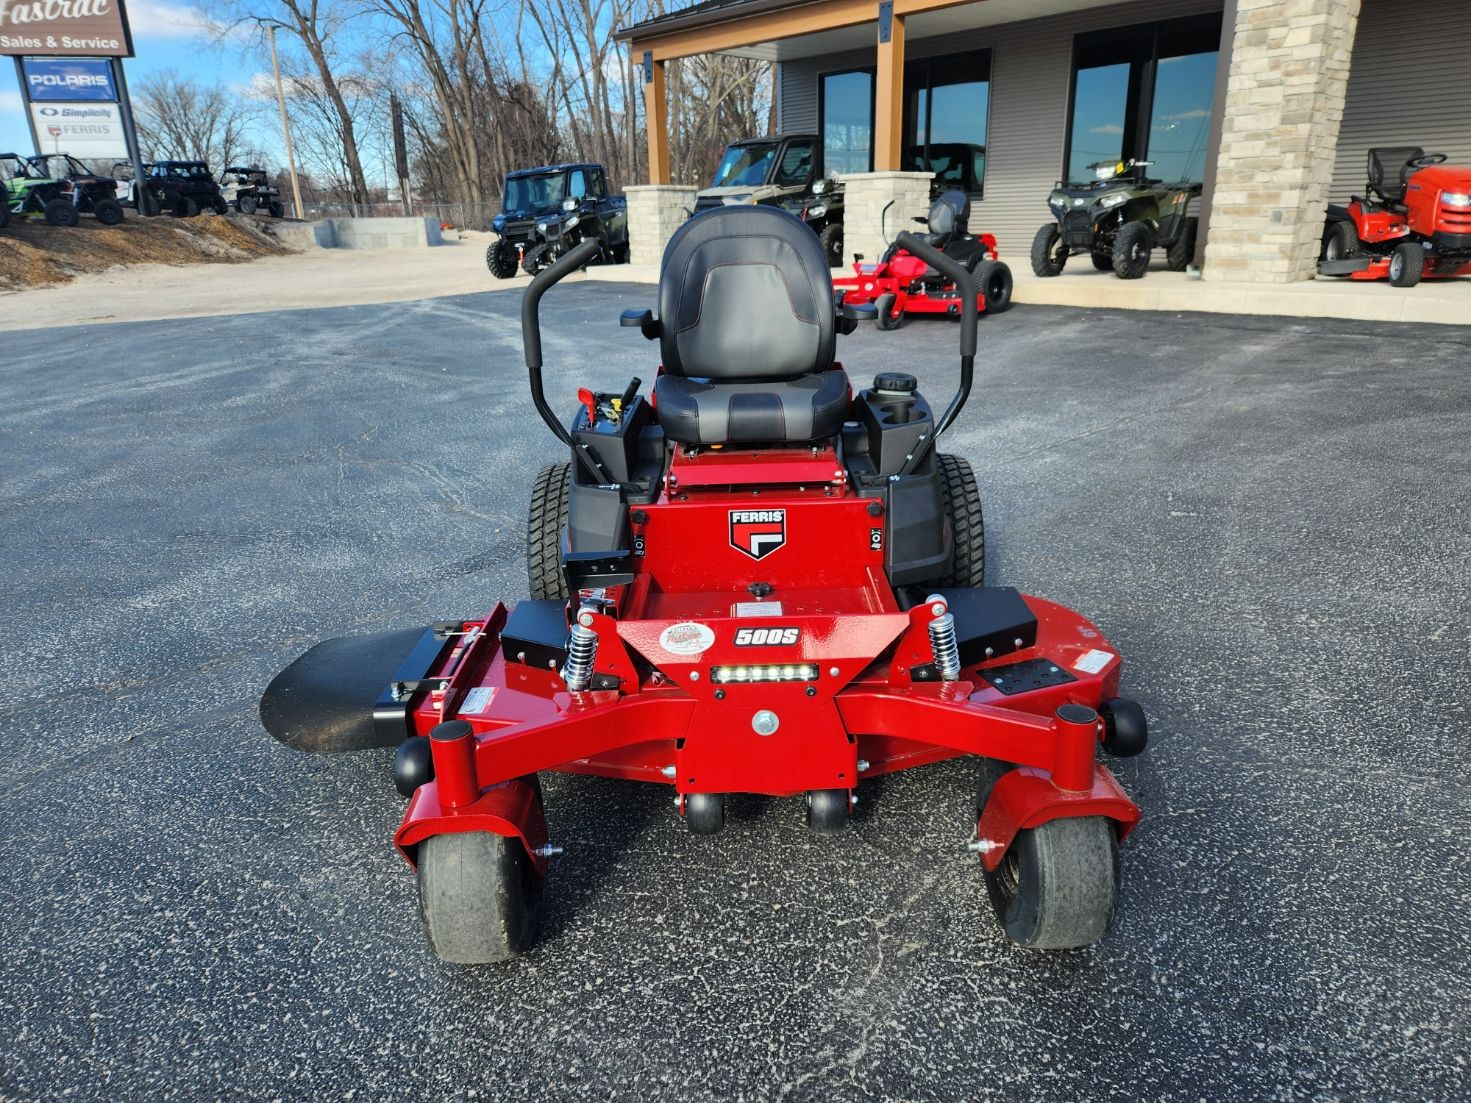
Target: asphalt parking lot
1271,519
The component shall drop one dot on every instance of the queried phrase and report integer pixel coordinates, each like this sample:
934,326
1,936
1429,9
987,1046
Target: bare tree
180,119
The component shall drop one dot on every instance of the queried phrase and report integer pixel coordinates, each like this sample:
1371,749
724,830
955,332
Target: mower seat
747,329
949,218
1390,171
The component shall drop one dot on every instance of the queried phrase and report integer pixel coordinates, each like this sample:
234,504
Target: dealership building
1272,104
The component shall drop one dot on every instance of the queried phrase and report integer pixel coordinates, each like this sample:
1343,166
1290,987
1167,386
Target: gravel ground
1268,518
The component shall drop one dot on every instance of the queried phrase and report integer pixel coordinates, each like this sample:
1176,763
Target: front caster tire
1131,248
1049,254
1125,729
704,813
480,897
1406,264
1057,887
828,811
885,319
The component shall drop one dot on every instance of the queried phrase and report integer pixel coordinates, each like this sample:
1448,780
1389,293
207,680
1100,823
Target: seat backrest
1389,170
950,213
745,293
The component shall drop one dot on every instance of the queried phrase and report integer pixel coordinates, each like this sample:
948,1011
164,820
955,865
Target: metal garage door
1408,85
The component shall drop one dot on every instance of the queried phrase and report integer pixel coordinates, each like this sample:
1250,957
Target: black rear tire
219,206
832,243
1342,242
1057,887
109,212
1407,264
967,526
885,319
1181,252
1131,248
61,212
548,517
1102,261
187,208
480,896
993,281
277,210
1049,254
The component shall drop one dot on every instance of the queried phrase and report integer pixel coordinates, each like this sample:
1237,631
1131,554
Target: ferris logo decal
758,532
767,637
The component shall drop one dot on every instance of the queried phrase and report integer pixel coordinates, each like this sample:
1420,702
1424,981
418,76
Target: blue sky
166,35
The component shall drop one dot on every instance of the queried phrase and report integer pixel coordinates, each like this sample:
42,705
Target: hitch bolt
852,800
981,846
668,771
863,765
550,850
832,671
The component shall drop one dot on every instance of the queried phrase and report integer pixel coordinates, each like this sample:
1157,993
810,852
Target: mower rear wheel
500,258
967,526
1049,254
704,813
832,243
1131,248
1181,252
1057,887
993,280
1342,242
885,319
61,212
548,517
1406,264
480,896
828,811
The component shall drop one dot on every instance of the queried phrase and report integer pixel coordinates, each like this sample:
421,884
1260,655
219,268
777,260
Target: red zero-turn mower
904,282
765,584
1413,223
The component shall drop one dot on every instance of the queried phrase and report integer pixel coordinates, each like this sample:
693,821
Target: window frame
928,64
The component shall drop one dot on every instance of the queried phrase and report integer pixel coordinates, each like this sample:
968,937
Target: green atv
1119,220
58,187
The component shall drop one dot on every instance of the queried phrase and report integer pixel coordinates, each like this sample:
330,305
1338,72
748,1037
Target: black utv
59,187
1119,219
183,188
546,211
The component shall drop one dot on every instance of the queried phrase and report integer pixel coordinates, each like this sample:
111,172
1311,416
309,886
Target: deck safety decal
1093,661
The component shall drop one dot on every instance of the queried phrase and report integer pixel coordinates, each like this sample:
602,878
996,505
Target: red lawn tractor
903,282
1413,223
759,582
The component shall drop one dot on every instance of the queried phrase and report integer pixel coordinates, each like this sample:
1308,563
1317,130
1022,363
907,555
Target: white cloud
10,101
1109,129
161,19
1198,113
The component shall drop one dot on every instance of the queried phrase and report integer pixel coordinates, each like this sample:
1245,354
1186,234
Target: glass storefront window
847,121
1179,125
947,108
1100,111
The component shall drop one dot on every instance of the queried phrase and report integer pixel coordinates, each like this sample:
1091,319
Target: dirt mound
34,254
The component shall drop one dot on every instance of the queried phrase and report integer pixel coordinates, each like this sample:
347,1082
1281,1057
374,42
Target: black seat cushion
697,411
745,293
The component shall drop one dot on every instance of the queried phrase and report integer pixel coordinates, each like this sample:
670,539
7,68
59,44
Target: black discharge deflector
536,634
1023,677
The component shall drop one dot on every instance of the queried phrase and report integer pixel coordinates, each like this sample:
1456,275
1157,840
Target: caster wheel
1058,885
413,765
1125,730
827,811
704,813
480,896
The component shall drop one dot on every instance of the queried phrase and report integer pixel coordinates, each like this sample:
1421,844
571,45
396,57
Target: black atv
823,212
248,189
546,211
59,187
1118,220
183,188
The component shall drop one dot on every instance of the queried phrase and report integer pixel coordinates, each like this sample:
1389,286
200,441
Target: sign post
142,201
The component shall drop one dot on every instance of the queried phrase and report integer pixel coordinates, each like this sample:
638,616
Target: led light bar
787,672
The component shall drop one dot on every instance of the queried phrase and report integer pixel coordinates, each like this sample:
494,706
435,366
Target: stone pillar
655,211
867,228
1284,104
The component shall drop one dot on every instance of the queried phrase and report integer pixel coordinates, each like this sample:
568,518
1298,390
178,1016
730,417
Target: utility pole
286,128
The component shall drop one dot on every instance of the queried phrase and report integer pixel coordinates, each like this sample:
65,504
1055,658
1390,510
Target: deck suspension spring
946,650
582,649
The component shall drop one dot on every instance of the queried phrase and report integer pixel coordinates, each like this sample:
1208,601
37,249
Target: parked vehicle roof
782,137
554,168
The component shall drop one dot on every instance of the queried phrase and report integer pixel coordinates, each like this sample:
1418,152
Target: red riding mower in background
767,584
903,283
1414,224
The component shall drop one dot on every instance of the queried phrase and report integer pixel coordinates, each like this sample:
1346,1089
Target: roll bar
531,327
957,273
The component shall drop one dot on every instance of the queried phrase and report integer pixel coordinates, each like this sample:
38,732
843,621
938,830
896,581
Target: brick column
655,211
866,226
1284,104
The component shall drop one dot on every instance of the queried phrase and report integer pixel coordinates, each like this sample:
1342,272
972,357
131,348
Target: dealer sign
64,28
